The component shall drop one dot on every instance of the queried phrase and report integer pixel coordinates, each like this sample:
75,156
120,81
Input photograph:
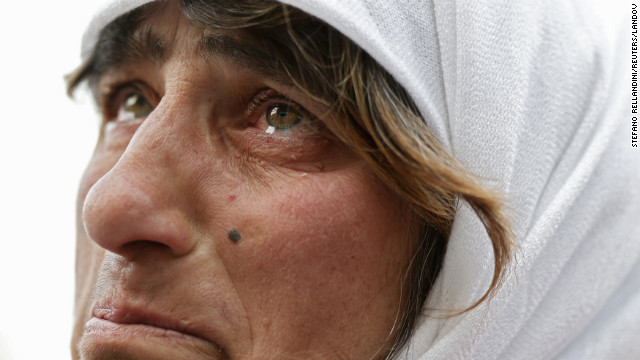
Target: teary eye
282,117
134,106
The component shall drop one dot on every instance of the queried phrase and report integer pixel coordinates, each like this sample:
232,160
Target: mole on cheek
234,235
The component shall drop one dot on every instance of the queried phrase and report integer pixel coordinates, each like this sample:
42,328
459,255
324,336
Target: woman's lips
145,318
97,326
116,323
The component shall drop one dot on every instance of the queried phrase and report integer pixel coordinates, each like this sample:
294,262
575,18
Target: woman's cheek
309,251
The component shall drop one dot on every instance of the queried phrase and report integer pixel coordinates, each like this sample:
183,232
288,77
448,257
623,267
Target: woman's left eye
282,117
134,106
276,114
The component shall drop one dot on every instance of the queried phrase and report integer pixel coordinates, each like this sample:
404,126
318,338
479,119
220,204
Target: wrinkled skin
314,267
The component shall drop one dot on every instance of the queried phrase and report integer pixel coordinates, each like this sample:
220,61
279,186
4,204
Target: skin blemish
232,197
234,235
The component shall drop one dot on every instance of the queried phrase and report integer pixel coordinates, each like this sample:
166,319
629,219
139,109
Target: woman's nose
139,200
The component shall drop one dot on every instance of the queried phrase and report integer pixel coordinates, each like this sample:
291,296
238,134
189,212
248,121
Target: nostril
135,249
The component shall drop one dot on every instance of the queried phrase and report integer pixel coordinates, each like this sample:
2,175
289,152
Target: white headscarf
534,97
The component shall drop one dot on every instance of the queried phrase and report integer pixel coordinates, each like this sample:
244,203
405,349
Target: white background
45,141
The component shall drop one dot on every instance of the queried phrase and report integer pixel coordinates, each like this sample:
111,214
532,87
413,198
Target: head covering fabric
532,98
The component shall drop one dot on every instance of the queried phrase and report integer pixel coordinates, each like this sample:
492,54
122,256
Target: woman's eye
276,114
134,106
282,117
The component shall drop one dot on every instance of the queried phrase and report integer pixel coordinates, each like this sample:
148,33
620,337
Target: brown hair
380,123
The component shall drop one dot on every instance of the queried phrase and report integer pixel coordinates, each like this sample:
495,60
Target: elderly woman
352,180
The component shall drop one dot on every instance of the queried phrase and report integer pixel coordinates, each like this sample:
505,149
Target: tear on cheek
234,236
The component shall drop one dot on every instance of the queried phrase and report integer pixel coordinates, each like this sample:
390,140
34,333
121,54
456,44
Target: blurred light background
45,141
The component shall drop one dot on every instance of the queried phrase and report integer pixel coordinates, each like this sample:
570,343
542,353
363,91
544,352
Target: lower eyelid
275,140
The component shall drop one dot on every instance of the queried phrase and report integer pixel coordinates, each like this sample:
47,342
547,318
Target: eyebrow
144,44
242,53
121,45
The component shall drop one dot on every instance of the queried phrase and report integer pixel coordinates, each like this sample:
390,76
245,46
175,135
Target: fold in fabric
533,97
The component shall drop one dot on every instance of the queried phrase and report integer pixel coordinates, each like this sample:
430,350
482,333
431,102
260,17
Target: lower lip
104,328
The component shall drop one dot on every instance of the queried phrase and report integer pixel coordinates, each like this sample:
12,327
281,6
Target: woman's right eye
134,106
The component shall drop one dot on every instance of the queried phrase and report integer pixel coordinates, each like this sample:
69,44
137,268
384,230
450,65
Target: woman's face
218,217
